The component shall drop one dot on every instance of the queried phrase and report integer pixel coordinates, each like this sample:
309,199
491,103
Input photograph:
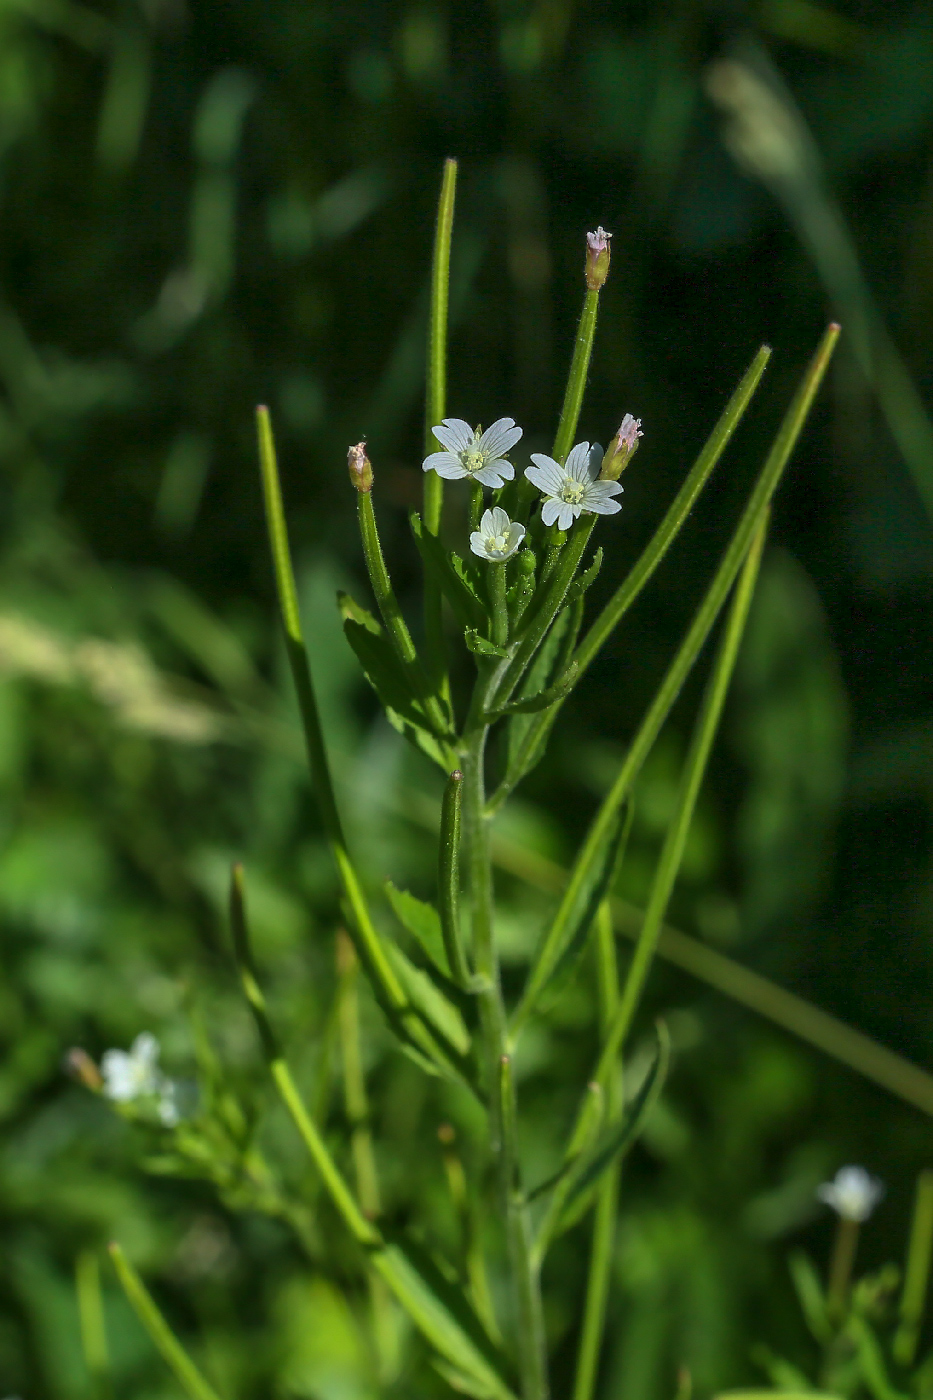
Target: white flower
498,537
469,453
573,487
134,1075
853,1194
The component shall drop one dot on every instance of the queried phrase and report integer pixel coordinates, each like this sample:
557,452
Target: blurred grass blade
696,636
93,1324
916,1272
163,1338
525,755
691,780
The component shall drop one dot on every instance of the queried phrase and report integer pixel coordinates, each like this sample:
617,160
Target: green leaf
533,703
810,1295
387,677
430,1002
582,582
450,576
612,1144
423,923
462,1383
562,946
552,658
440,1311
479,646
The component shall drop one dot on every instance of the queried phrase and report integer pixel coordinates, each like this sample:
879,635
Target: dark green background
204,206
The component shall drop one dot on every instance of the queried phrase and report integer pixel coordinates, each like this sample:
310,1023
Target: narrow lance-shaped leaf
690,783
696,636
163,1338
450,1327
523,757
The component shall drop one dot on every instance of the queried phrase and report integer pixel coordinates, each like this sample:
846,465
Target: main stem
502,1115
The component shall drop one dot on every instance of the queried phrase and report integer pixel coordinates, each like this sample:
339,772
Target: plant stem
576,380
391,613
93,1326
162,1336
690,782
500,612
356,1102
604,1220
448,878
502,1107
845,1246
435,409
916,1271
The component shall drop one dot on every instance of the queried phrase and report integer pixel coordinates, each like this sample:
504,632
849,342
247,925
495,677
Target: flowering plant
512,599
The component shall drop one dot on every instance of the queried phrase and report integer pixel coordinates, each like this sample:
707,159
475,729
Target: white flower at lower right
573,487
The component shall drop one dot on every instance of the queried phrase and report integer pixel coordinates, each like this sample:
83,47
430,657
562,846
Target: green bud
360,468
597,258
621,449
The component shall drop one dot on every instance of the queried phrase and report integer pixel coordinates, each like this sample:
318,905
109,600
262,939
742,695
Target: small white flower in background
852,1193
498,537
167,1107
480,456
573,487
132,1075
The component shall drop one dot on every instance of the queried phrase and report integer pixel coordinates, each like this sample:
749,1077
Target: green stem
500,612
841,1264
692,644
525,1281
916,1272
93,1325
369,944
356,1103
448,878
162,1336
391,613
576,380
604,1220
435,410
661,541
691,779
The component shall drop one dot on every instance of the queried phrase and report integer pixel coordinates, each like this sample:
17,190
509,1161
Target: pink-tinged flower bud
597,258
360,468
621,449
79,1065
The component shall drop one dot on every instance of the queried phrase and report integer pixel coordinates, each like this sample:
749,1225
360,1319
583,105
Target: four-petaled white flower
573,487
853,1194
480,456
132,1075
498,537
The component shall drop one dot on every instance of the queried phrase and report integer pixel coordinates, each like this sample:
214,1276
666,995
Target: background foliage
211,205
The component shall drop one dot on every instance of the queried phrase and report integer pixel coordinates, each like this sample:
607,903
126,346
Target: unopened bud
621,449
360,468
79,1065
597,258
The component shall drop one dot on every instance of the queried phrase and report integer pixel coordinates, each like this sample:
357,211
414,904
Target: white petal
546,474
145,1048
494,474
119,1080
478,544
488,523
516,535
602,505
454,434
498,519
594,465
577,463
551,510
499,437
568,515
448,466
438,459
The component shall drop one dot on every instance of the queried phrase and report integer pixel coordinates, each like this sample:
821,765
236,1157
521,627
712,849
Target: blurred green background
206,205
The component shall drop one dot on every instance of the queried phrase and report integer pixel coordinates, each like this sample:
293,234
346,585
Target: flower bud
79,1065
621,449
360,468
597,258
